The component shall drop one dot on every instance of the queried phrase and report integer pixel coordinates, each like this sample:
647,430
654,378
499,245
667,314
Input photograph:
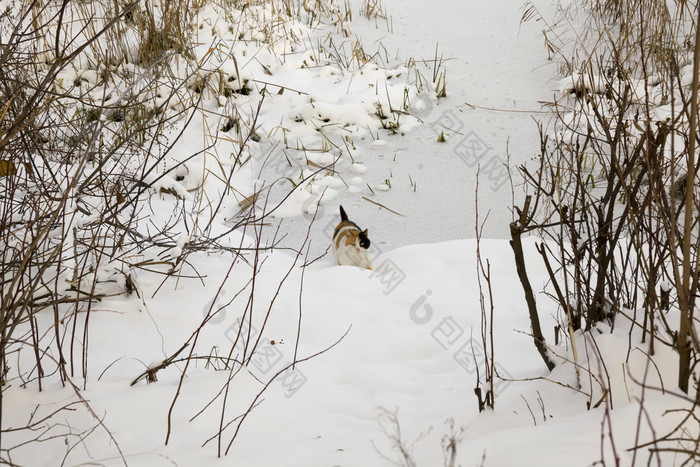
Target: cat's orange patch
350,224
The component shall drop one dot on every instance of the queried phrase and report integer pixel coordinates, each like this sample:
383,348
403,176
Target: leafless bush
610,187
391,427
614,189
86,138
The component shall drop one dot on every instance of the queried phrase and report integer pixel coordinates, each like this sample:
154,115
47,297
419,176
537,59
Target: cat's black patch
364,239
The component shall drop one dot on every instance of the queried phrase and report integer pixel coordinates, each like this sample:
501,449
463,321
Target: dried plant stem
686,301
516,231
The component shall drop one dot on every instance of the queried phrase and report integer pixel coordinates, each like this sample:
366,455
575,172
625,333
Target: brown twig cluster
613,192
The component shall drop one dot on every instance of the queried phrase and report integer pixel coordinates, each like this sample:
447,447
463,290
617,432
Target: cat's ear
343,216
364,232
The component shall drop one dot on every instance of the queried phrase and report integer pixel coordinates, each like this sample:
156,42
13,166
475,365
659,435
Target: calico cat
350,243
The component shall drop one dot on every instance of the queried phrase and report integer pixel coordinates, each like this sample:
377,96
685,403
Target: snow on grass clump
285,80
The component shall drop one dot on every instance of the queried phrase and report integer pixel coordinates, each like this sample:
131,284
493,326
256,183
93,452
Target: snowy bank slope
411,343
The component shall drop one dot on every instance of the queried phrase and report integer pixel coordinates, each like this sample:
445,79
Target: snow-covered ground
396,352
404,343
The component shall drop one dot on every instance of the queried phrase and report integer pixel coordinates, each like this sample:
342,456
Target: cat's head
364,239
